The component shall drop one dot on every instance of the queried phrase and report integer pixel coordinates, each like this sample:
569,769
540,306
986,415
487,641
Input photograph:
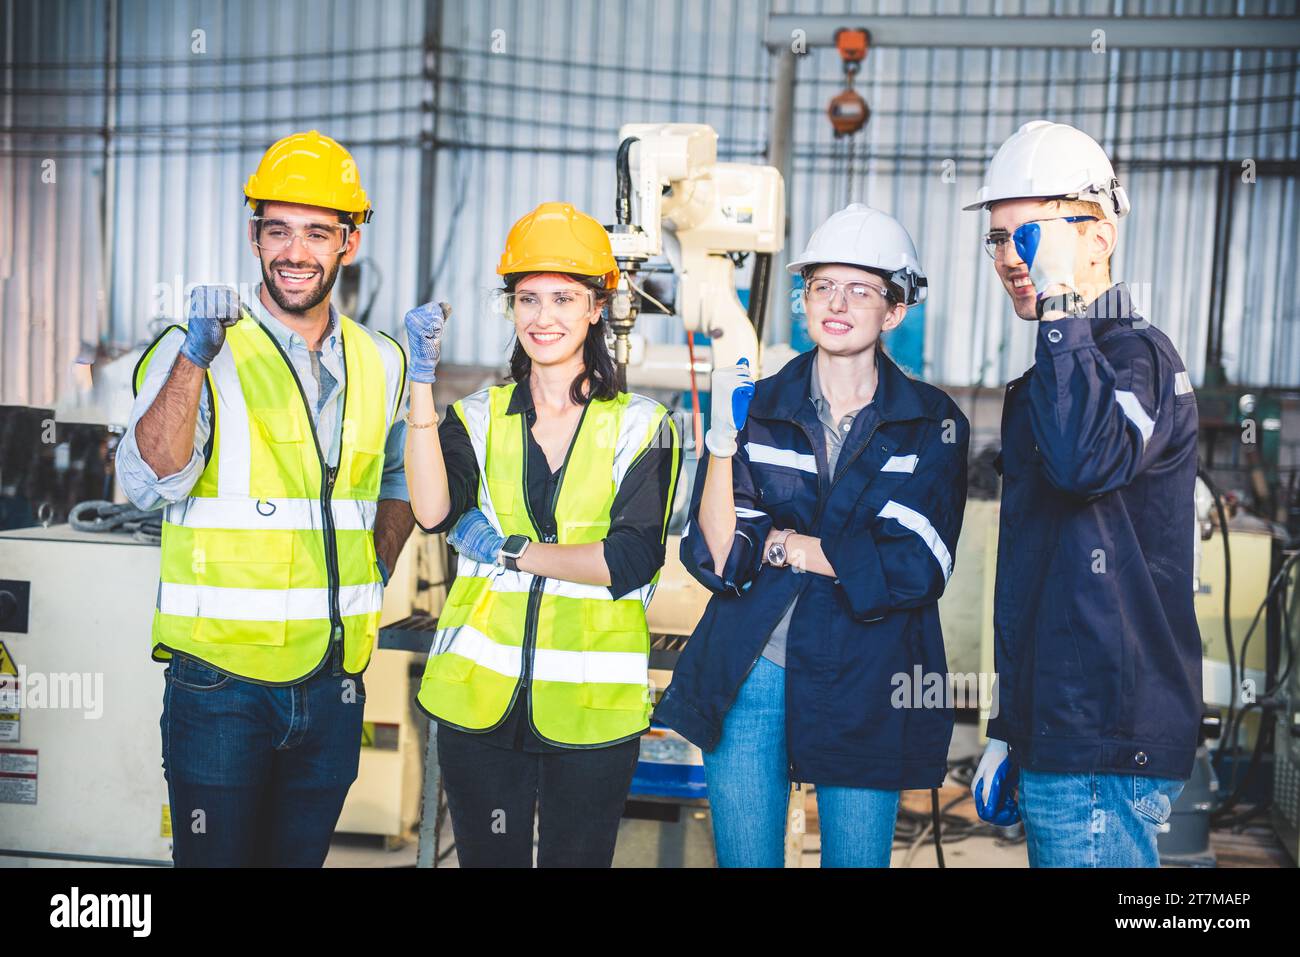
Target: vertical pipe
1214,371
431,61
779,153
108,201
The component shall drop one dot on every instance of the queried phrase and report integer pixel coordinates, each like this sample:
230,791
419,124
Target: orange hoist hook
848,110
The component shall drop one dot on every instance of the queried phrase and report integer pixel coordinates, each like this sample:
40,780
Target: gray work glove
212,309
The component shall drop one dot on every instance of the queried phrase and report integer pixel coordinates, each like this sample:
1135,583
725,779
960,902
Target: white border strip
900,463
789,458
1136,414
916,522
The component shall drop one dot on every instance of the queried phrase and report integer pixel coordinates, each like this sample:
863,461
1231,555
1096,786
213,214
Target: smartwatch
511,551
776,555
1070,303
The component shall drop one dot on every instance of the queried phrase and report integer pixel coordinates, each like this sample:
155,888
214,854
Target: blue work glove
1048,248
424,326
212,309
994,787
474,537
731,392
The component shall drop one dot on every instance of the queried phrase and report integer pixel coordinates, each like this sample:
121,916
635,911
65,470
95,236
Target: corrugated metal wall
201,89
529,96
50,198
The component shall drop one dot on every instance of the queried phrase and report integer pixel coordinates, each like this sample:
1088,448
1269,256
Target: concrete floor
688,841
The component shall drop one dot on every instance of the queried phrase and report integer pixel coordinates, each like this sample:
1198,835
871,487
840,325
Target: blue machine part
669,766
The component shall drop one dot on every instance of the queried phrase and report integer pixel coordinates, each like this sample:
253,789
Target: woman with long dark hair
557,489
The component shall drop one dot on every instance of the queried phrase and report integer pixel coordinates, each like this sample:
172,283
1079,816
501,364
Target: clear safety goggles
858,294
568,304
320,239
1024,236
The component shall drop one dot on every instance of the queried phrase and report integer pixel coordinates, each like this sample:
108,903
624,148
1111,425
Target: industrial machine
1286,754
700,218
81,777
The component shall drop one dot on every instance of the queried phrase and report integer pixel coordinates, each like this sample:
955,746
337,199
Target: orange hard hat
555,237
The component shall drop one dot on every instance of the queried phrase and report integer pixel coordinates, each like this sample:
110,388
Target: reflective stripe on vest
248,581
587,654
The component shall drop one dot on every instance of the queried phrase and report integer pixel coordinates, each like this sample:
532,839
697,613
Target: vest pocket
257,616
466,607
616,650
282,442
365,470
241,602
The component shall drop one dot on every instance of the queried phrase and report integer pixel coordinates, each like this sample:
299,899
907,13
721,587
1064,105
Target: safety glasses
568,304
1024,236
859,295
320,239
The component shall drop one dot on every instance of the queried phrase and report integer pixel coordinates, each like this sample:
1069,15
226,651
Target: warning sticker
166,830
7,666
10,725
18,775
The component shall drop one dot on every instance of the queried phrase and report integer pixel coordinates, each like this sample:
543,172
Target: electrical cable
936,826
363,315
101,516
1227,592
1265,702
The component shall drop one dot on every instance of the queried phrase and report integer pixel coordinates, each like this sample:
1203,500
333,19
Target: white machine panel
81,776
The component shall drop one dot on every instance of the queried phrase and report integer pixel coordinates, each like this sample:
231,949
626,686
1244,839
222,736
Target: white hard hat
861,236
1044,160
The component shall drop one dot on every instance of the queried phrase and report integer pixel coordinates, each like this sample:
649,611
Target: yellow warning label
166,821
7,666
367,734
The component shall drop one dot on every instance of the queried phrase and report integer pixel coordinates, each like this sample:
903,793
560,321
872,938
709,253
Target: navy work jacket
888,522
1097,649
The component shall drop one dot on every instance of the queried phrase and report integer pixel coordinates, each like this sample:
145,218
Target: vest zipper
539,582
328,476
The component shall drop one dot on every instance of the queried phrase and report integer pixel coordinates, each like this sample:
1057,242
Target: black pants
492,793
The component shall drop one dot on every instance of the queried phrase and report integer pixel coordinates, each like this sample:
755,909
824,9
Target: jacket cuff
856,561
995,728
739,569
1064,335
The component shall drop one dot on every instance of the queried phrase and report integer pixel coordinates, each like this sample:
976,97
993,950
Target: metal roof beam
1128,33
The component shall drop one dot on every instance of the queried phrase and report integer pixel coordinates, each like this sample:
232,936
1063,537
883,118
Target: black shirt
634,545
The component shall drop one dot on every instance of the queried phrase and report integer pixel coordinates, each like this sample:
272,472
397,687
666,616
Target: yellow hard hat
312,169
555,237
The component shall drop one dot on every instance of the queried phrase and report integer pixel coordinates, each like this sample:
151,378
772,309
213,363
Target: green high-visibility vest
583,654
269,564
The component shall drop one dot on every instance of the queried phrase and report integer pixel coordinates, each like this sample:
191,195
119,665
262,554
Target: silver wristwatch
776,553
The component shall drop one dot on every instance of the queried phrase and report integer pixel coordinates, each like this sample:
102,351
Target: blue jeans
1094,819
256,775
749,789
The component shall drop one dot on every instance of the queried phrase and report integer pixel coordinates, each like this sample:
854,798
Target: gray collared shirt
322,375
836,433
